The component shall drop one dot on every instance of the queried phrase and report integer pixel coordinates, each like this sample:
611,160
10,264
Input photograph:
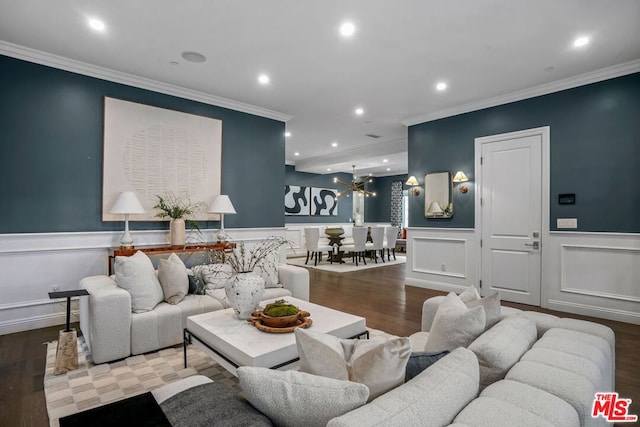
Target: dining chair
357,248
390,237
377,236
314,247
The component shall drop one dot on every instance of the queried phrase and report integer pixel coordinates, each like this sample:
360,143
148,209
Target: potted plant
177,209
246,285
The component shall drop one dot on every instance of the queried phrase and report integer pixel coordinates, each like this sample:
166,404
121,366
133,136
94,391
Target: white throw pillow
491,306
455,325
214,276
294,399
173,278
469,294
377,363
137,276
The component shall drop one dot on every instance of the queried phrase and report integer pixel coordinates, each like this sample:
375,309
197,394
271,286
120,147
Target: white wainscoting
441,258
592,274
595,274
32,264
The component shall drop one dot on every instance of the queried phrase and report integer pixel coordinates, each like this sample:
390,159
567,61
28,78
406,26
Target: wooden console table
159,250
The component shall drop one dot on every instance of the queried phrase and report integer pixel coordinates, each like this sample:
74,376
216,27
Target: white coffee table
233,342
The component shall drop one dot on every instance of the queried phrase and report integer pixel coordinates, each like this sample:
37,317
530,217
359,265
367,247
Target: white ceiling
488,51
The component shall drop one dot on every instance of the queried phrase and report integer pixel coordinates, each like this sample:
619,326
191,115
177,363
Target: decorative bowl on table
334,231
280,314
280,317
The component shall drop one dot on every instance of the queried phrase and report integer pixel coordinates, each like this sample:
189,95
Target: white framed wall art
154,151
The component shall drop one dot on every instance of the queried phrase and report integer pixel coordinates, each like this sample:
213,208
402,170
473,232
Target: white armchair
357,248
390,237
314,247
377,235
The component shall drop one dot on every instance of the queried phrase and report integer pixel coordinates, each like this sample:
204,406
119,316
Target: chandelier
356,186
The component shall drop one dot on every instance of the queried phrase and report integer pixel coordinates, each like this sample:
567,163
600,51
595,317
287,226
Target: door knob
534,245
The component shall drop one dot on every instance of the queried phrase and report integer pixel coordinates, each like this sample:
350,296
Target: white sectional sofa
535,369
529,369
113,332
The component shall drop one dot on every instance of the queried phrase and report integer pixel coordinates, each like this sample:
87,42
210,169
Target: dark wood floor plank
378,294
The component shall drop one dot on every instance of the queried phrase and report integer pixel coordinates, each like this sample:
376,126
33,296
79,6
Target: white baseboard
438,286
594,311
36,322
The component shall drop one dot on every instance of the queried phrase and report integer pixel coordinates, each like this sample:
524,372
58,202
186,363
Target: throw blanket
212,404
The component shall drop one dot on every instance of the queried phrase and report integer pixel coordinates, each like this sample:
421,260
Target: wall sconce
412,181
461,177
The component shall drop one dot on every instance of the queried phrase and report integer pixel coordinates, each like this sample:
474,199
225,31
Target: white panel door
511,215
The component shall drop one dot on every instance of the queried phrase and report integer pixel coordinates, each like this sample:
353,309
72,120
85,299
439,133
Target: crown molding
395,146
544,89
74,66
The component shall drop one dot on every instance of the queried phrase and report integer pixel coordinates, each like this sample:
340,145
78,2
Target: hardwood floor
377,294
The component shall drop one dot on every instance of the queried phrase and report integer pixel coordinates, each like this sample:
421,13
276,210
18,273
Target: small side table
67,351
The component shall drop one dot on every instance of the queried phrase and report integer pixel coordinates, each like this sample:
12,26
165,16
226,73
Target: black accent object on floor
141,410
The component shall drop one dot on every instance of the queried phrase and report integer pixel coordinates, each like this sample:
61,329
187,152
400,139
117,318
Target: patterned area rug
92,385
95,385
347,267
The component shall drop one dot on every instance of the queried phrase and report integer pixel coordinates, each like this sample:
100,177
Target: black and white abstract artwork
324,201
297,200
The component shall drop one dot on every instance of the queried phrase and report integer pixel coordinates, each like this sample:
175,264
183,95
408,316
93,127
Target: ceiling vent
372,135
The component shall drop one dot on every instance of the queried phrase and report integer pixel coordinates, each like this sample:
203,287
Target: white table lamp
127,203
222,205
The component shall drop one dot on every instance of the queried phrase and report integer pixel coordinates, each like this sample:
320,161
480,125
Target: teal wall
304,179
378,208
595,152
51,128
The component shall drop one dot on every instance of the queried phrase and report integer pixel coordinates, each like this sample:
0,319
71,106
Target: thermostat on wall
567,199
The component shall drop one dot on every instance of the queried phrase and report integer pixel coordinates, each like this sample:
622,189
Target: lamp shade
434,208
412,180
460,177
222,205
127,203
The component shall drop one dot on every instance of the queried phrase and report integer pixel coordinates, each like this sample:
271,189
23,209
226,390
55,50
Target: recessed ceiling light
581,41
296,154
194,57
388,169
263,79
334,144
385,160
96,24
347,29
359,111
328,169
287,134
441,86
